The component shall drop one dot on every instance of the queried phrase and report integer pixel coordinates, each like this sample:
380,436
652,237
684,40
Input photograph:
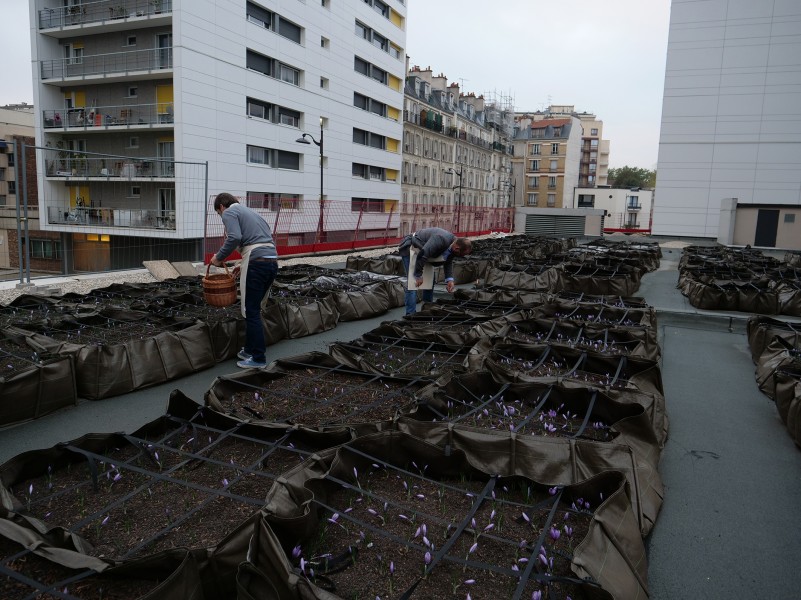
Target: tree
628,177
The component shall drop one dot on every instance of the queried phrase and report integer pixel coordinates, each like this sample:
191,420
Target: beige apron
243,269
428,271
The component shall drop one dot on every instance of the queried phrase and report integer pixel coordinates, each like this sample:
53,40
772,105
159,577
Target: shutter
555,225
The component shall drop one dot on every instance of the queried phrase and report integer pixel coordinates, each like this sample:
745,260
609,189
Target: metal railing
111,217
79,165
155,59
114,116
86,13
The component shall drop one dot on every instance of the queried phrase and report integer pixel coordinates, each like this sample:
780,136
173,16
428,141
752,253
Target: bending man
424,249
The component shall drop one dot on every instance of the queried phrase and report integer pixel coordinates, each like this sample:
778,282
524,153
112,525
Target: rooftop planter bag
393,354
354,297
32,568
388,264
506,295
520,277
789,294
34,382
761,331
314,390
297,311
120,351
468,307
172,483
591,279
779,354
392,515
787,383
449,328
585,336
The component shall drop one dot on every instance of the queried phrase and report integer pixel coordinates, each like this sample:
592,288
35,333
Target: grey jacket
243,227
431,242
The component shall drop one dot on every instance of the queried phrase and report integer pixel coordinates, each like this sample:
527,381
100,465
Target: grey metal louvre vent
555,225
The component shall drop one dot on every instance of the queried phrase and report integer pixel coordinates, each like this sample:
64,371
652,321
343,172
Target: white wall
731,115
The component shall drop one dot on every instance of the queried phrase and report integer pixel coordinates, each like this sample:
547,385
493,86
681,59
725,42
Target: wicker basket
219,289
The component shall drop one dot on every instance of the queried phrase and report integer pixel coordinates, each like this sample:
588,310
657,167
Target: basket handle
224,265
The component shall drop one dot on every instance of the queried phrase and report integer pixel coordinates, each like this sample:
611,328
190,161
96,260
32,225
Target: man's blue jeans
260,277
411,296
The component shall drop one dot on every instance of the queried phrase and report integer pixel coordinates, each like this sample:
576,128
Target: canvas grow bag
354,300
761,331
780,354
612,554
787,385
292,312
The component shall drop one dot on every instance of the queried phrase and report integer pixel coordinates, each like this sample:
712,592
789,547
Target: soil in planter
322,398
46,573
115,332
16,358
383,533
556,368
180,492
611,348
403,360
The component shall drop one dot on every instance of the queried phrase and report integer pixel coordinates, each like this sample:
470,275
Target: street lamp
459,197
321,236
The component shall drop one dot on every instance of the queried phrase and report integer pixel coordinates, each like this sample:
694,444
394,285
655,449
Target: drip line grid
455,549
167,461
406,357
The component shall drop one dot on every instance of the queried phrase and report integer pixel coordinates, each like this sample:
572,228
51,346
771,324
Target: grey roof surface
729,526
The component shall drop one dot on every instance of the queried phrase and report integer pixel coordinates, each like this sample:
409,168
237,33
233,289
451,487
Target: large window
368,172
533,165
366,205
379,6
367,138
369,104
272,112
274,201
272,68
278,159
532,199
370,70
272,21
49,249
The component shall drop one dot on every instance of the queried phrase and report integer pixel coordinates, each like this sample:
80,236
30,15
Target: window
324,83
133,91
362,30
381,8
533,182
593,131
369,104
2,174
594,144
278,159
12,187
370,70
130,40
272,68
3,200
289,117
538,133
533,165
551,182
532,199
534,149
789,218
12,160
136,191
551,199
272,21
554,165
586,200
366,205
273,202
49,249
367,138
368,172
557,132
133,142
324,42
554,148
632,202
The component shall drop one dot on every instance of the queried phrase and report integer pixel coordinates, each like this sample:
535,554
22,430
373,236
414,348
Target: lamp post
458,197
321,235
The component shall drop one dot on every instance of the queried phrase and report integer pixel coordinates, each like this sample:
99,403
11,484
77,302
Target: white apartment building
626,210
731,117
146,109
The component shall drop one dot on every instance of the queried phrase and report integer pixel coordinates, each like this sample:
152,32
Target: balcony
62,21
148,116
127,218
64,164
633,207
155,63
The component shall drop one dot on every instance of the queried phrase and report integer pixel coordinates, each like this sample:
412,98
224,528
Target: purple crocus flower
427,558
536,595
555,533
296,552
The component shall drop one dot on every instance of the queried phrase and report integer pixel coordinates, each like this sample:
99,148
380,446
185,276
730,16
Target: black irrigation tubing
621,364
532,414
593,398
479,500
532,562
582,357
482,403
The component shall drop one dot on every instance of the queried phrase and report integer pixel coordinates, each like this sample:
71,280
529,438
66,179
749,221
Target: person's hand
450,286
418,281
215,262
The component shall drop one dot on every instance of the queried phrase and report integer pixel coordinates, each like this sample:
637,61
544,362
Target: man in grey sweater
424,248
248,232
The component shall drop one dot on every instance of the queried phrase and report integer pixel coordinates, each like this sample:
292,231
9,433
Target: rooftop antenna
461,82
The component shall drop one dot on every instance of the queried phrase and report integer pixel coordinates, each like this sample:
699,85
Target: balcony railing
111,217
101,65
77,165
633,206
109,116
97,12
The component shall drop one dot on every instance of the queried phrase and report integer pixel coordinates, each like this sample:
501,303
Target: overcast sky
606,58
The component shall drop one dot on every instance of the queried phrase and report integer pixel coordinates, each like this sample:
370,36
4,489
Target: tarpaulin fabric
297,315
761,330
787,386
779,354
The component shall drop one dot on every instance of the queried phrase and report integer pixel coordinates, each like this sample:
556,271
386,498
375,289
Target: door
766,227
165,152
164,52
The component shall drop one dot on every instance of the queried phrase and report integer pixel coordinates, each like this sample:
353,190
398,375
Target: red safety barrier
344,226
